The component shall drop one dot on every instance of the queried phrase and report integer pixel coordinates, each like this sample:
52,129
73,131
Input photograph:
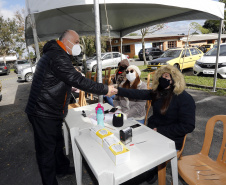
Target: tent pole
33,26
218,53
98,45
121,47
35,36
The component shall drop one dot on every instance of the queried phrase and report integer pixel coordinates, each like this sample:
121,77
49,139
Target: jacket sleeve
186,118
137,106
64,70
135,93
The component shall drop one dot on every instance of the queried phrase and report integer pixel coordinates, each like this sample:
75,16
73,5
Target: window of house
126,49
115,48
172,44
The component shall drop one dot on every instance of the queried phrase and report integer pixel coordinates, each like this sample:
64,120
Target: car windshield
171,53
95,58
2,64
213,52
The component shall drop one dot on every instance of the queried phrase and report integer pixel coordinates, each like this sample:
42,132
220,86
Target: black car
4,69
150,53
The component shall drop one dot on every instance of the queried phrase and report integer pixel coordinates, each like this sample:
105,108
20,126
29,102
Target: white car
206,64
26,73
109,59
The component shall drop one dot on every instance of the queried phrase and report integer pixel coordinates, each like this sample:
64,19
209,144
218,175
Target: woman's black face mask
163,83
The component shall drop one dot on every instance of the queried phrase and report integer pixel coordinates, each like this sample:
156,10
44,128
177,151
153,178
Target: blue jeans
141,121
109,100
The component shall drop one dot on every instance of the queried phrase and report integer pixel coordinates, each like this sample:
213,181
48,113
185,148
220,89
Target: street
17,157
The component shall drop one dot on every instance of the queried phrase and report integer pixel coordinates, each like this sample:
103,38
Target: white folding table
144,156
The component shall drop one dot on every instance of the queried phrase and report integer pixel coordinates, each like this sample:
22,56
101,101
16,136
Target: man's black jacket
52,82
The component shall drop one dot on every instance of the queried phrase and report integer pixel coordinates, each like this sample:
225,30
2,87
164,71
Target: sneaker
70,171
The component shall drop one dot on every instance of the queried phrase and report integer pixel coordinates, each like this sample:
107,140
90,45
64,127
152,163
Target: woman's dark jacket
52,82
179,118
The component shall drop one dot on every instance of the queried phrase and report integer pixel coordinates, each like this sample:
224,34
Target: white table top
156,150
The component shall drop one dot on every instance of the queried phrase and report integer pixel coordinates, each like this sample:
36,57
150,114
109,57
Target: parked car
4,68
0,91
150,53
20,64
206,47
177,57
109,59
26,73
206,64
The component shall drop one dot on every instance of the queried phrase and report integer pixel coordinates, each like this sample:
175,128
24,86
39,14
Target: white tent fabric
52,17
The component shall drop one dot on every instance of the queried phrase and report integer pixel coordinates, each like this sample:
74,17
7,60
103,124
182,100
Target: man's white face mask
76,49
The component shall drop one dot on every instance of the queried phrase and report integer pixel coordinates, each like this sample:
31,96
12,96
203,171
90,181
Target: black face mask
163,83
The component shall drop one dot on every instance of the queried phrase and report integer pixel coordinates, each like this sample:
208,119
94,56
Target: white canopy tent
52,17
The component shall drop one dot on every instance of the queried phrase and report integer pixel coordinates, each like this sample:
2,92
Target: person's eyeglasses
131,71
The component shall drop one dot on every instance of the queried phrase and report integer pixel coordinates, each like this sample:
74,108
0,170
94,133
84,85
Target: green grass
11,70
197,80
206,81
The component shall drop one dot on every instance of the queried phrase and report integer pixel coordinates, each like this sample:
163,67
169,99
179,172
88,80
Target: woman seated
120,77
132,107
173,108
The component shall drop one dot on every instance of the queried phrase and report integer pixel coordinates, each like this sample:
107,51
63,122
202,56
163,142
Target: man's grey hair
64,34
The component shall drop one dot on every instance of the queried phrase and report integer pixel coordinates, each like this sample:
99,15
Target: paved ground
17,155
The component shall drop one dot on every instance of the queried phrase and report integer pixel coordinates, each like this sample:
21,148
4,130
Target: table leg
66,139
162,174
76,156
174,170
106,178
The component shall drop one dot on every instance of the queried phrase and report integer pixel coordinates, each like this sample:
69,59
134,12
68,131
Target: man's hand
111,91
155,129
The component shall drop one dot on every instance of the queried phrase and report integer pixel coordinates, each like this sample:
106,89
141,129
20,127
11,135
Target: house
131,45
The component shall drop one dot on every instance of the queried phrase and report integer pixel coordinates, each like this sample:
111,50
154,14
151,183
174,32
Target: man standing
48,103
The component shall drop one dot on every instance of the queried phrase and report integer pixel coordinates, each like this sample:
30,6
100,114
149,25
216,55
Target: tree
133,34
90,44
20,35
8,30
149,30
213,25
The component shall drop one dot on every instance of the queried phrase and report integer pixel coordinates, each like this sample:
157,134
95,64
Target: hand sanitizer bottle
100,117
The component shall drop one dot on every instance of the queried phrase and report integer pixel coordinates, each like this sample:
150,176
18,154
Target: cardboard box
98,133
116,150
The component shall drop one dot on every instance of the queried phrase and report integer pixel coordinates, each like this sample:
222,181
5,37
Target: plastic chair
151,74
89,76
107,74
199,168
149,77
82,102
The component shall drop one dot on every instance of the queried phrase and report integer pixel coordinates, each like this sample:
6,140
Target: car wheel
94,69
177,66
150,58
29,77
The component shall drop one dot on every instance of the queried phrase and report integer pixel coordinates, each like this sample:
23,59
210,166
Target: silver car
26,73
109,59
20,64
206,64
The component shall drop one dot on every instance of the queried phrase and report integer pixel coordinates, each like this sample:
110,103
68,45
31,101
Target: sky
9,7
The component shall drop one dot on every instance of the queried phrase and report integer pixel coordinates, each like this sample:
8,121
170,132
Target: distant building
9,58
131,45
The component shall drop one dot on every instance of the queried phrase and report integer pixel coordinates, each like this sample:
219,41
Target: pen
110,128
137,143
